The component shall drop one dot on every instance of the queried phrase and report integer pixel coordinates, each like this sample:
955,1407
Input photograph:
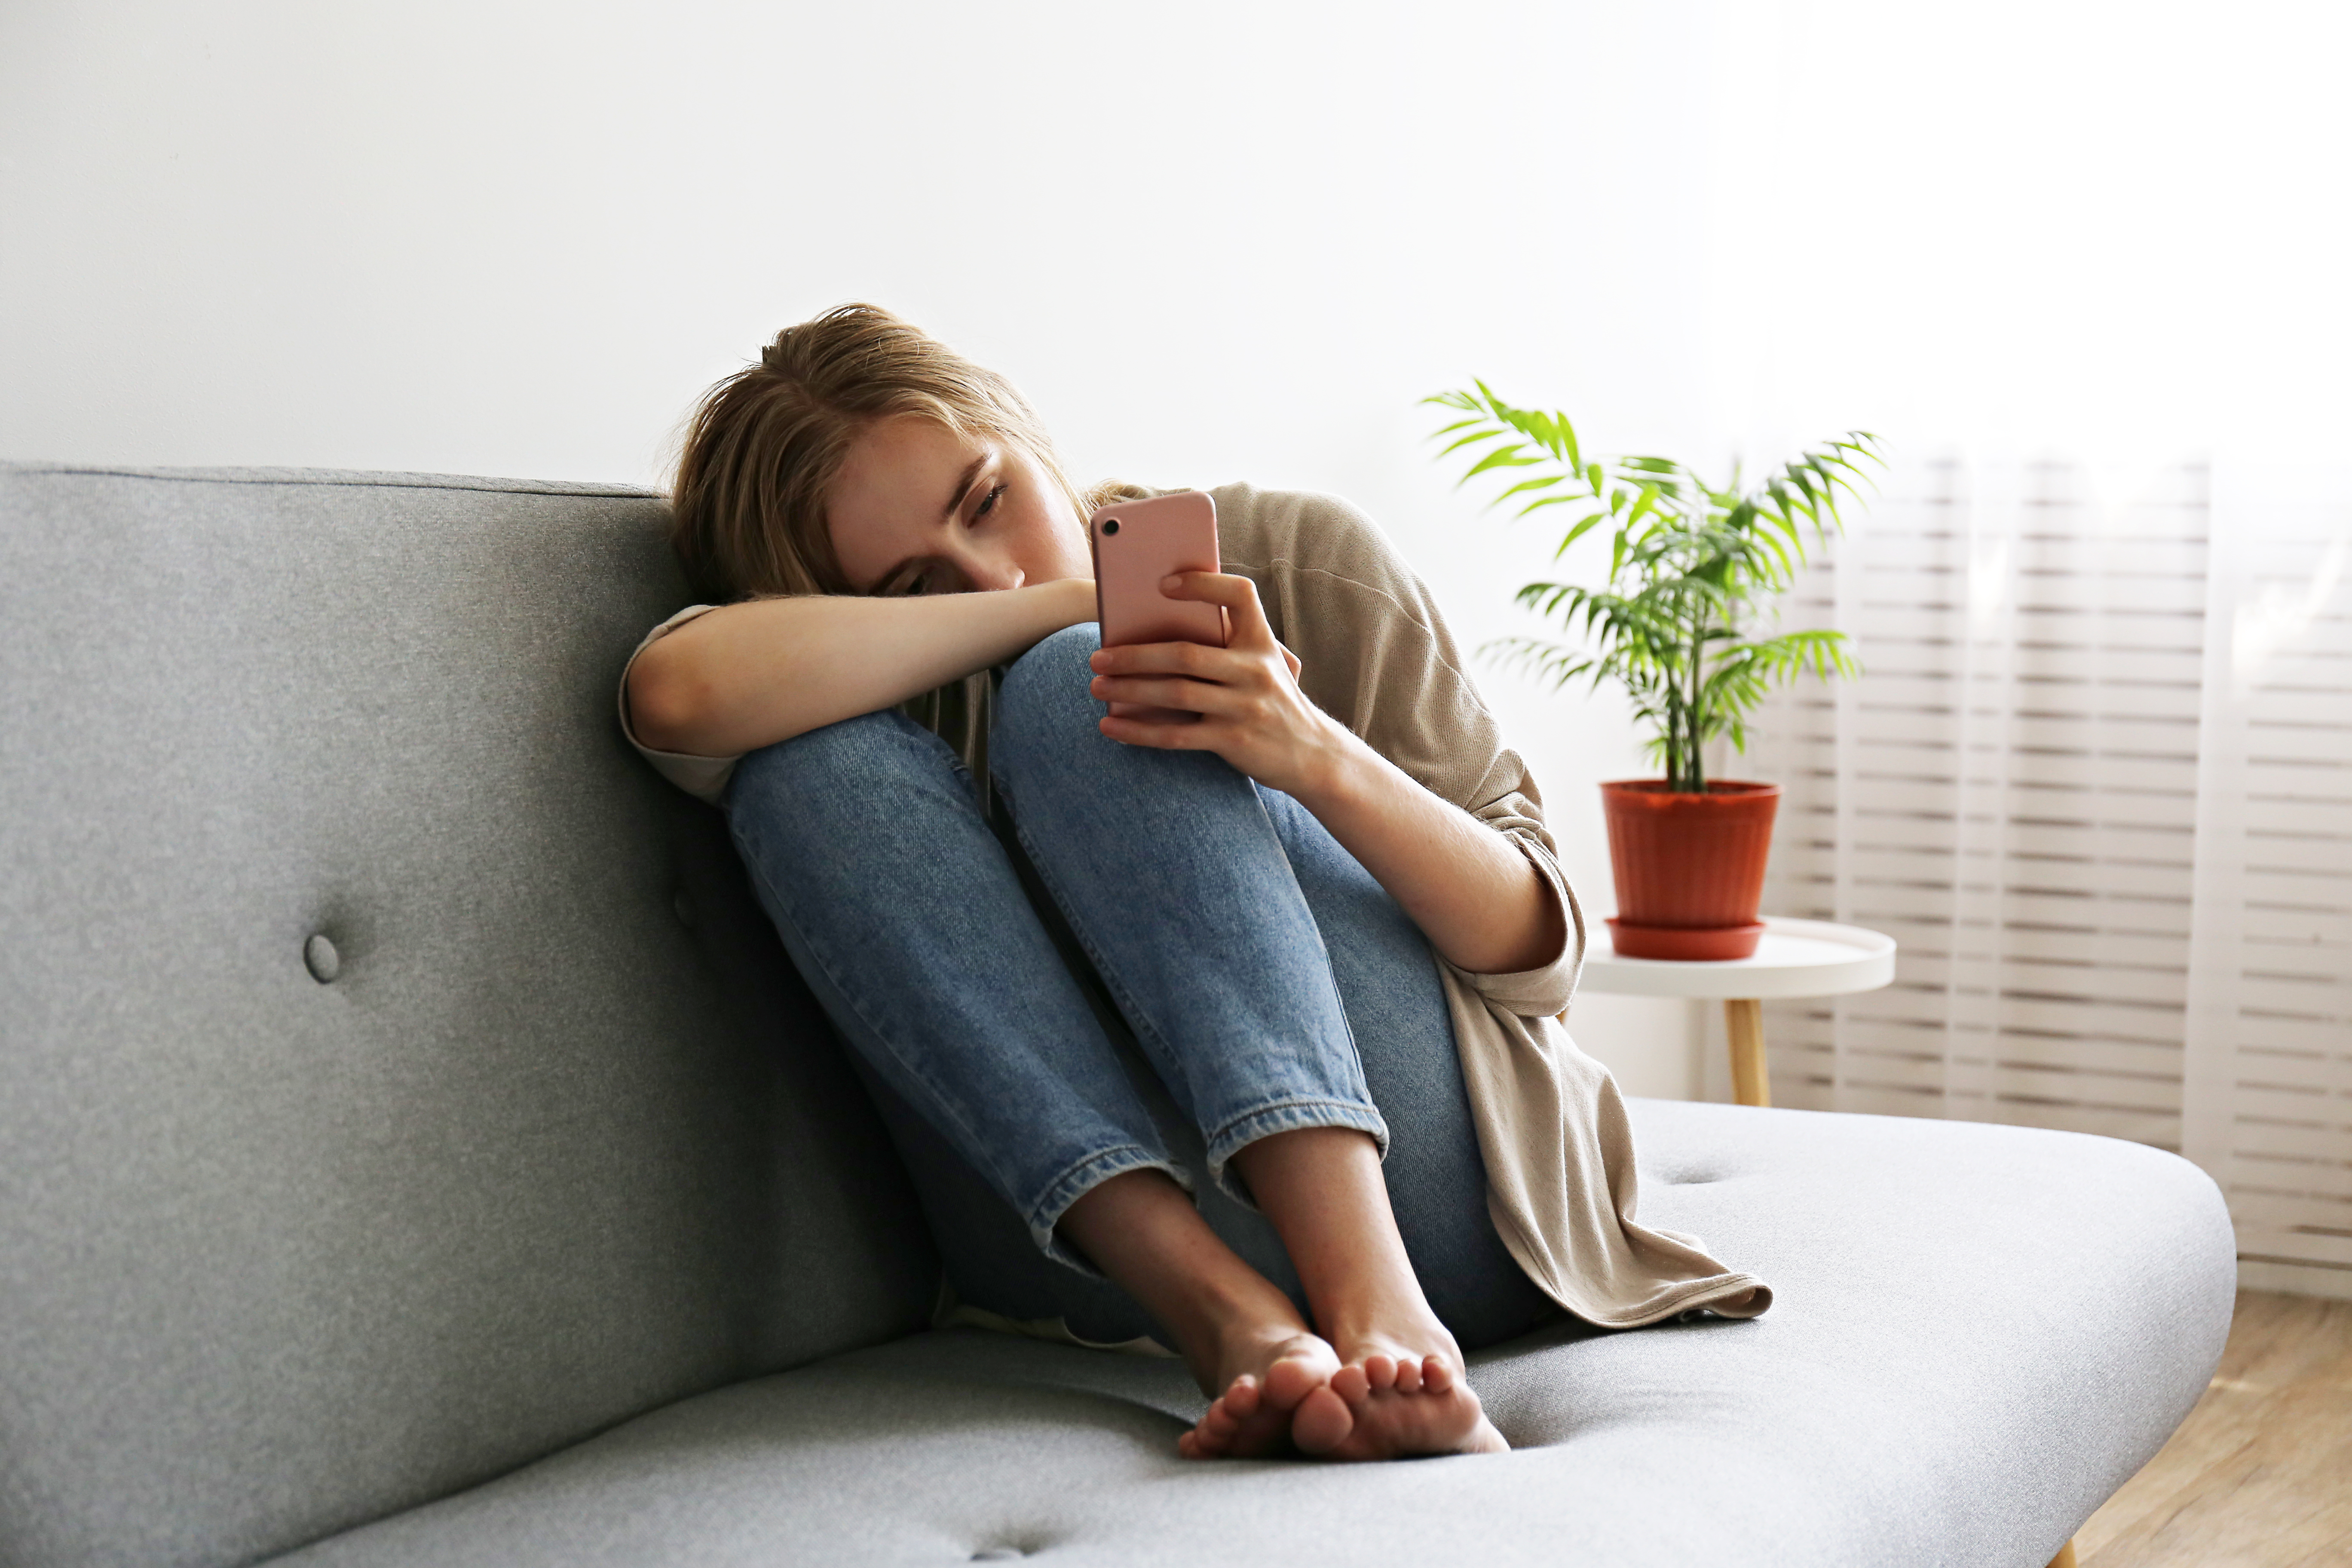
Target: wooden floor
2260,1476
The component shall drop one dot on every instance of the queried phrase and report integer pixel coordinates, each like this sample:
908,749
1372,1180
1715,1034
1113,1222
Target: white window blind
2095,782
2268,1095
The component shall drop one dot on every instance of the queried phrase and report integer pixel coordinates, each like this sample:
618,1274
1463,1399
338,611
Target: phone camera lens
1110,525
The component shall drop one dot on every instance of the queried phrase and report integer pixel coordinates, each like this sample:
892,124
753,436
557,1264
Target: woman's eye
918,584
988,503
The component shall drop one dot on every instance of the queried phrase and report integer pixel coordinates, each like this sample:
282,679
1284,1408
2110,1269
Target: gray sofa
414,1148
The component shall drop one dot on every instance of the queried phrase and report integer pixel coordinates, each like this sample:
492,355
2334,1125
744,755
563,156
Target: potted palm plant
1692,569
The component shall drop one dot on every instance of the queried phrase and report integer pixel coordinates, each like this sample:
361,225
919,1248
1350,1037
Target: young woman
1237,1033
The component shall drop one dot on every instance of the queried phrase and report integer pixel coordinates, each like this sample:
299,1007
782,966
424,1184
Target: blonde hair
749,505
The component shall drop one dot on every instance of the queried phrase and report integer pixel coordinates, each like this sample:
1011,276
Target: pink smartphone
1137,543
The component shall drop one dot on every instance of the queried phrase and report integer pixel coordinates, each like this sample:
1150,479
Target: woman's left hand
1252,711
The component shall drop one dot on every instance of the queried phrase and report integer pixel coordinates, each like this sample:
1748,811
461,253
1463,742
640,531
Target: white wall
2112,231
1212,242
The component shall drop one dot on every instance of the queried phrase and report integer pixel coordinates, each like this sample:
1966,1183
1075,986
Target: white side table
1795,958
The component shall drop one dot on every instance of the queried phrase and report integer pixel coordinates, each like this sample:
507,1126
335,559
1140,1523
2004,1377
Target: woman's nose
990,574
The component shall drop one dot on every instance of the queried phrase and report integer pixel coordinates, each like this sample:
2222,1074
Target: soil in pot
1689,868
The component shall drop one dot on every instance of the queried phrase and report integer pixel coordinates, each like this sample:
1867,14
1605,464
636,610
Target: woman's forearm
1474,894
750,675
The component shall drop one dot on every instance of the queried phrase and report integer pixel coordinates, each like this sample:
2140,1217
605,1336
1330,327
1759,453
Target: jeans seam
1129,1007
1347,1024
850,1000
1294,1102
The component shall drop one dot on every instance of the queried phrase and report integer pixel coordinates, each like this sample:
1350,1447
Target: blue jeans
1165,962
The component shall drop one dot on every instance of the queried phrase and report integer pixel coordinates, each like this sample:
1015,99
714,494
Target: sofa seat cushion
1981,1333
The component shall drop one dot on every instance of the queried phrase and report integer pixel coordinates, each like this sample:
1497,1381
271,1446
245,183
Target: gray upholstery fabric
560,1141
1981,1333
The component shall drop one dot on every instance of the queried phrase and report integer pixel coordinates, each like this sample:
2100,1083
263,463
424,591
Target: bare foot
1389,1402
1265,1377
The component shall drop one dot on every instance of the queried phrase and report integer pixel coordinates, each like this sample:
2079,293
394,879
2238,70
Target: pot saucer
1685,944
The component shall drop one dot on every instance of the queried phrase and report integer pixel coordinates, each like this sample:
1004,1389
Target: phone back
1137,543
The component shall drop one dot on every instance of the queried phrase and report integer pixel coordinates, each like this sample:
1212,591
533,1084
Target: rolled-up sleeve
705,778
1543,991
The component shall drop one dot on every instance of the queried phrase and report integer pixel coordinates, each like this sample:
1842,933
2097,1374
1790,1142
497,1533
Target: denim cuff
1076,1182
1287,1116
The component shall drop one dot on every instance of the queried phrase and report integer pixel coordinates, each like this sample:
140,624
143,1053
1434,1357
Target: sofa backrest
290,1240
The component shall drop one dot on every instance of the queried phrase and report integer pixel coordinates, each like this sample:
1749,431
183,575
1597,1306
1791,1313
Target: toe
1290,1379
1380,1372
1437,1374
1408,1375
1350,1384
1241,1400
1323,1420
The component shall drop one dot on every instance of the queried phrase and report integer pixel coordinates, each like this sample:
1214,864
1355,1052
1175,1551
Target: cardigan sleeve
1375,654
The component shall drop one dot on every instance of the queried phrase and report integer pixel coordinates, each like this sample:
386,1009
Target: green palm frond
1691,568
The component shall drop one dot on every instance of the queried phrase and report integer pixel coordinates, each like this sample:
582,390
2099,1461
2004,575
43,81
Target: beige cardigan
1375,656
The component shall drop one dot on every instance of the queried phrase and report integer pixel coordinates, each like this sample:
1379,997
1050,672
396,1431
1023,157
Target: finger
1189,695
1198,660
1162,737
1227,588
1246,624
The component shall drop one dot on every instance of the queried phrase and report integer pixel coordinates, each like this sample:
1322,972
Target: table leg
1743,1022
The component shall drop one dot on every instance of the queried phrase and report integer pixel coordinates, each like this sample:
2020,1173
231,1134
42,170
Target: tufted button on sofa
414,1148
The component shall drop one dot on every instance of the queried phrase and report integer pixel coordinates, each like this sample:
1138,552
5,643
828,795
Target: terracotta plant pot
1689,868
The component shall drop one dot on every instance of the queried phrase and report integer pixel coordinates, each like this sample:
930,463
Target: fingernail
1167,583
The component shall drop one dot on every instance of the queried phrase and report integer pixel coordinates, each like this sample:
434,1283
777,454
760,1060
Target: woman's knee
1048,685
1045,711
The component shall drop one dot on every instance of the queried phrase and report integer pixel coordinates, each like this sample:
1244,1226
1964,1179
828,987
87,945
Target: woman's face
917,508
